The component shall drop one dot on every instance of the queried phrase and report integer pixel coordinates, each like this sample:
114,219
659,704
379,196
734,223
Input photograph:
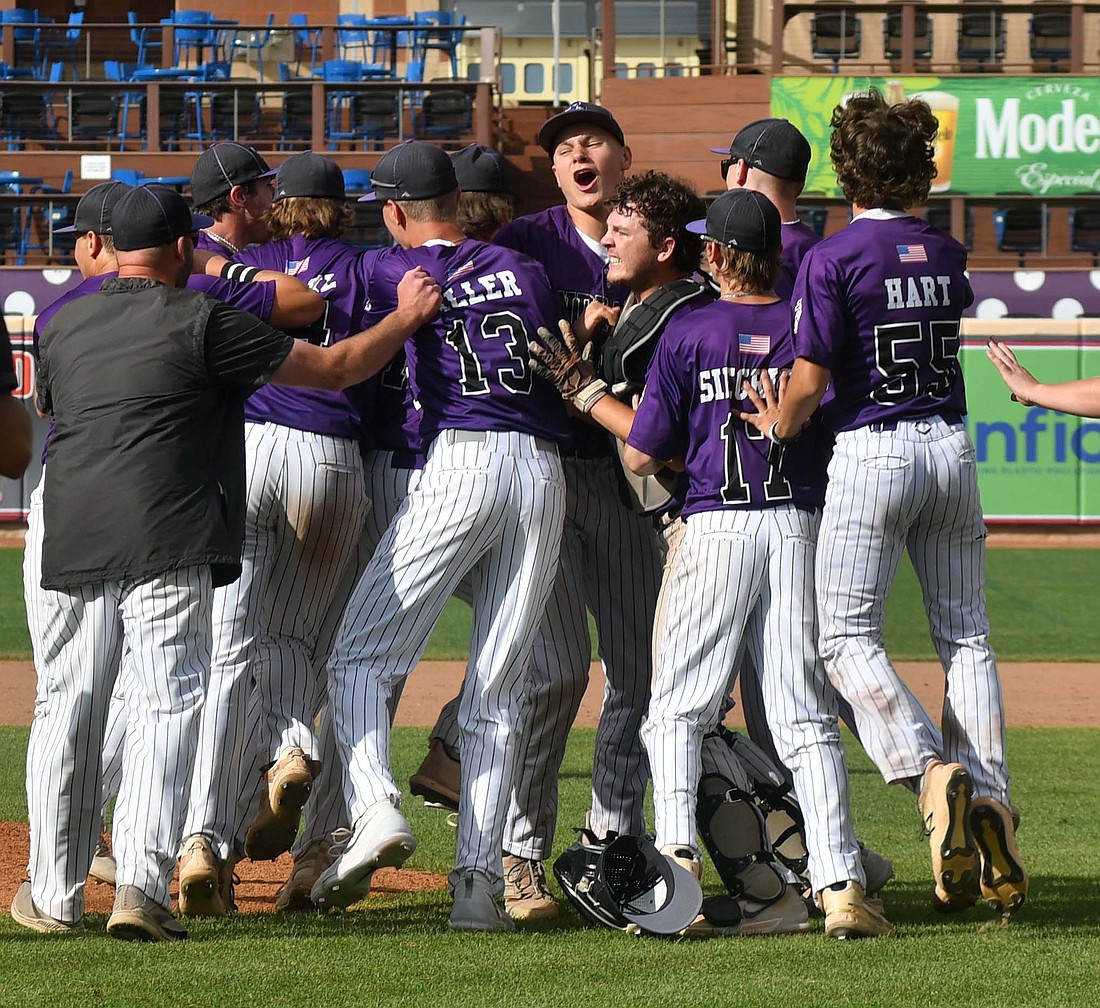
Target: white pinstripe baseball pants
914,488
387,486
747,575
611,564
305,512
491,505
36,605
165,623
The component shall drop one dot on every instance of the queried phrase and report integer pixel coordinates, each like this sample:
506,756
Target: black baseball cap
578,112
153,215
309,174
481,169
743,219
221,167
776,146
93,212
647,888
410,171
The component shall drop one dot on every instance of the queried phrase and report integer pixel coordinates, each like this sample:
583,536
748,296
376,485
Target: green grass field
1041,607
398,951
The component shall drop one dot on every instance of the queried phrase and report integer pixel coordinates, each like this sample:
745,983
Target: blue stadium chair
1049,33
305,38
981,41
143,38
1021,228
835,35
1084,231
436,31
253,41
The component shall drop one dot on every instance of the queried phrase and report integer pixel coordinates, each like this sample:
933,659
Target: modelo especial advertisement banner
1035,136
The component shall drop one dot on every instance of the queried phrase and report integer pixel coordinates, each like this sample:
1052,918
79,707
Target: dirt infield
1037,694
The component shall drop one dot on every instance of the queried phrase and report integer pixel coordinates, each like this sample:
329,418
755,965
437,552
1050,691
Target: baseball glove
565,364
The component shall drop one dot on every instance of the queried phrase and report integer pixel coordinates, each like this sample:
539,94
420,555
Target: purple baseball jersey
693,394
578,275
878,304
468,366
331,268
798,239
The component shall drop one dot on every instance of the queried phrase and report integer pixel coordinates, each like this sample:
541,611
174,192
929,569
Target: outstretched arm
1078,397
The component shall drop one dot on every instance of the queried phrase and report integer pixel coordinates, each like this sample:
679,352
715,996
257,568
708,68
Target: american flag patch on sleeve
753,344
912,253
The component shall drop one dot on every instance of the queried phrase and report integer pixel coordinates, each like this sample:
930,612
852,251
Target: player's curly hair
666,206
482,214
312,216
883,153
746,272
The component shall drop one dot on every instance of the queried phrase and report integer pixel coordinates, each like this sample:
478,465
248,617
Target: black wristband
239,272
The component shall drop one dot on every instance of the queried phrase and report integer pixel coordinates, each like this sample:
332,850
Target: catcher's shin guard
747,767
733,831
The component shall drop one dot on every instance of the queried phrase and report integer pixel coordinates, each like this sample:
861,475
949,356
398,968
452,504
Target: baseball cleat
1004,881
944,805
308,867
24,912
525,894
103,862
730,917
200,879
438,779
877,869
275,827
476,908
849,915
136,917
382,839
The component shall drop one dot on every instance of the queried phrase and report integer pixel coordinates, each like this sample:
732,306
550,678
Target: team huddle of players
799,425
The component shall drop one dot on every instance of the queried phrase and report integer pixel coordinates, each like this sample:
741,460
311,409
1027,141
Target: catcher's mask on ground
646,887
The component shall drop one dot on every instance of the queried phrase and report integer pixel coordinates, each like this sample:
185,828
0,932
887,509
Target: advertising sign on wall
1035,136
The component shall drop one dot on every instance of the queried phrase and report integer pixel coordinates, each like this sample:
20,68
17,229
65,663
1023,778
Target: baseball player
611,555
15,422
489,504
392,460
771,156
753,512
232,183
148,590
306,507
876,319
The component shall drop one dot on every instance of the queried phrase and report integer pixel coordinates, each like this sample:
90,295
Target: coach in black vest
146,383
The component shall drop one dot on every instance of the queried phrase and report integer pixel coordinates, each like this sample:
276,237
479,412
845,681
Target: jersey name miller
716,384
493,287
917,292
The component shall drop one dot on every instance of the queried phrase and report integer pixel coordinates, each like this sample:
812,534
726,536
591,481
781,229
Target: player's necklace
223,242
734,295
